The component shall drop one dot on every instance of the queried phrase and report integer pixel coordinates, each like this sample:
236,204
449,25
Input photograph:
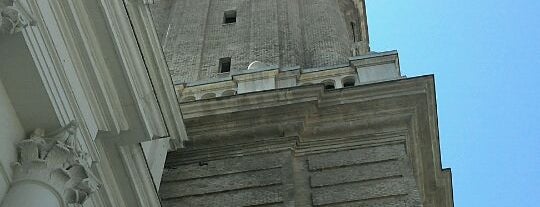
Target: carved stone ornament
56,160
11,19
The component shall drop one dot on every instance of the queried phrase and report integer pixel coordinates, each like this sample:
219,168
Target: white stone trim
139,174
57,73
156,66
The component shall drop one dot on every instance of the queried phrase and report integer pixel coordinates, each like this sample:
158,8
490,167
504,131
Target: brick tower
285,105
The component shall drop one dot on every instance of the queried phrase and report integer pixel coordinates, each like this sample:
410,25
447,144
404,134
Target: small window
348,82
229,17
353,32
329,84
225,65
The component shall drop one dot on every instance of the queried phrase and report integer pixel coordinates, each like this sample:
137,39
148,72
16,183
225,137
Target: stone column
51,172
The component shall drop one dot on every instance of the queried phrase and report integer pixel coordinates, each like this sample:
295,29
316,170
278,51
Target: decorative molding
13,18
139,175
96,78
157,68
48,44
58,161
132,26
134,68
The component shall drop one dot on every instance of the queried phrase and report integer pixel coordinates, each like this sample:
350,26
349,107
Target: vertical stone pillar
51,171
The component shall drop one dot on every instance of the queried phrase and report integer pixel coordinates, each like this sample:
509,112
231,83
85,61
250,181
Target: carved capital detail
57,160
11,19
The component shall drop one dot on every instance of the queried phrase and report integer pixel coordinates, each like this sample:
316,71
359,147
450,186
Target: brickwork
355,145
161,18
285,33
326,37
373,176
240,181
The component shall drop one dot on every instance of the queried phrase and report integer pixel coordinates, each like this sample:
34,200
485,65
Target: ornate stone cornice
56,160
11,18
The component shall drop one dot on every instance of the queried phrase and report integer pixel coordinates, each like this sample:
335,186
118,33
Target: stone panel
359,191
226,166
245,197
356,173
221,183
357,156
389,201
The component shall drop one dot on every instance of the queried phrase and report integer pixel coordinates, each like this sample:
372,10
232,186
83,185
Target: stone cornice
145,67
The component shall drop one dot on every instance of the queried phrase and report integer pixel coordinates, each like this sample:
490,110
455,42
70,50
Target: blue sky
486,59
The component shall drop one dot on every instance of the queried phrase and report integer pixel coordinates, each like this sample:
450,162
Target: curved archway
188,98
348,81
329,84
228,93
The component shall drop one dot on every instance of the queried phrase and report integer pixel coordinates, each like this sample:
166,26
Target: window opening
329,84
225,65
353,32
229,17
348,82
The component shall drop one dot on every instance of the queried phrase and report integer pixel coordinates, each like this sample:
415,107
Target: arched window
188,98
329,84
228,93
208,95
348,81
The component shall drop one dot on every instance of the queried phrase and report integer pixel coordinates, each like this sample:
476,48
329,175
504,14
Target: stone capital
56,160
12,19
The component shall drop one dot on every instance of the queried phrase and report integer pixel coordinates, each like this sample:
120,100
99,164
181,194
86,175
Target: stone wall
365,145
373,176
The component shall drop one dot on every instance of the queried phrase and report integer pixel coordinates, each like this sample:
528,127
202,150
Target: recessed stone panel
359,191
221,183
225,166
356,173
356,156
245,197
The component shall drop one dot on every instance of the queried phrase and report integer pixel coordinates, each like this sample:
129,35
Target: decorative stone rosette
55,160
